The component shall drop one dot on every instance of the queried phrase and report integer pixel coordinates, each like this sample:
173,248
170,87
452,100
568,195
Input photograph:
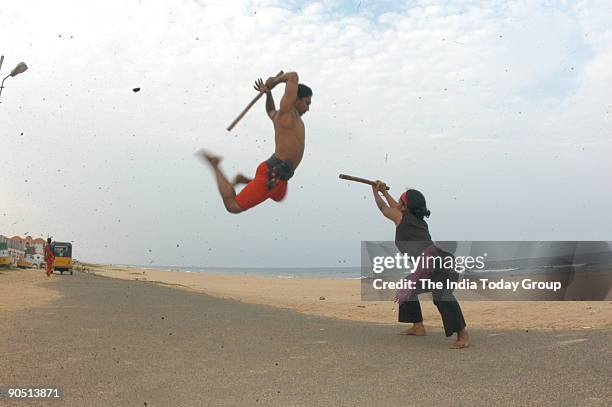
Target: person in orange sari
49,257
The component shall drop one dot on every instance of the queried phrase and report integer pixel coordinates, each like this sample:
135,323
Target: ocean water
281,272
588,262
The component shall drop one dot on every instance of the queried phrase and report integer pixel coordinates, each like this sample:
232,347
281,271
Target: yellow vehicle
24,263
5,258
63,257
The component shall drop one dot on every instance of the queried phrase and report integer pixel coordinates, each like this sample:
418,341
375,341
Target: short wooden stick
246,109
358,179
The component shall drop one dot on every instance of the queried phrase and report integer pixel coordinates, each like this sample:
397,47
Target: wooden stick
357,179
246,109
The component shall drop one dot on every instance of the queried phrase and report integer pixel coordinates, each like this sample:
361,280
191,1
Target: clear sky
498,111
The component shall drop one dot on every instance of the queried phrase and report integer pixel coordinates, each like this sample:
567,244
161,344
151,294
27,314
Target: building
39,244
16,247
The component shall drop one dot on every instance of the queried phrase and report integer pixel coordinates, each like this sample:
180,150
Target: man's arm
291,85
270,106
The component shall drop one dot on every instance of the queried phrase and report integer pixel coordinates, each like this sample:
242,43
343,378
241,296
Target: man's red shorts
256,191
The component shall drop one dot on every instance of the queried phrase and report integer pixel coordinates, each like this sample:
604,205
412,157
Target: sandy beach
23,289
340,298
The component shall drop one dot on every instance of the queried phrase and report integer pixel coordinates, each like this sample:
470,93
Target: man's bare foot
463,340
240,179
416,330
213,160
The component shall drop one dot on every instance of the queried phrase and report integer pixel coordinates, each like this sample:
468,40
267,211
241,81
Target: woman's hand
380,186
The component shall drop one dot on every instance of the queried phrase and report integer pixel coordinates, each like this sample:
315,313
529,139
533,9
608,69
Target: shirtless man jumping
272,175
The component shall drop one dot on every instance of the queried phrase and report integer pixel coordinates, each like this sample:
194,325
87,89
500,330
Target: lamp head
20,68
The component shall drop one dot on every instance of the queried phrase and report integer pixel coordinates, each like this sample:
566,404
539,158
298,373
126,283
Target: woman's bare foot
463,340
416,330
241,179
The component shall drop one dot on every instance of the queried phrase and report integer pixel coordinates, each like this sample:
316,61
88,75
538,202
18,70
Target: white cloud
489,108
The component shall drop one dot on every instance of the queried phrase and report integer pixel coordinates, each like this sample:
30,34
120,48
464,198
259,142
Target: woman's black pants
450,311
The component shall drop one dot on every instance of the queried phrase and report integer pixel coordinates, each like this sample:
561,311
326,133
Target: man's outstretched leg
226,189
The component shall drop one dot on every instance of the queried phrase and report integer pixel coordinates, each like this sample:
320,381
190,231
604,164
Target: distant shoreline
353,272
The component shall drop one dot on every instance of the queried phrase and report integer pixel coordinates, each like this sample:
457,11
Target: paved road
122,343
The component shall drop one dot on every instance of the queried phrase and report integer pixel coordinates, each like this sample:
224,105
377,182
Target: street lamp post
20,68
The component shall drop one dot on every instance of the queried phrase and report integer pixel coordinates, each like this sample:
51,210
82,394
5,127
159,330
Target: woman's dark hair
421,212
416,204
303,91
